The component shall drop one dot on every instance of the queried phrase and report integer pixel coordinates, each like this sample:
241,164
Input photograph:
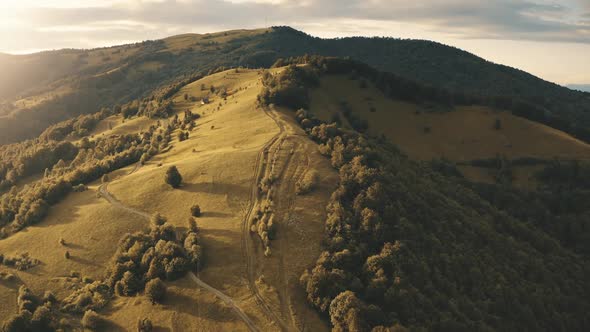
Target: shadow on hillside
111,326
71,245
84,261
215,311
212,188
212,214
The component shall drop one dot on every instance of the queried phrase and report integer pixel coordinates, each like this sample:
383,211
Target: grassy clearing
460,134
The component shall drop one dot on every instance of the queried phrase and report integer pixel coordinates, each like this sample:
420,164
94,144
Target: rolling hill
324,202
44,88
221,162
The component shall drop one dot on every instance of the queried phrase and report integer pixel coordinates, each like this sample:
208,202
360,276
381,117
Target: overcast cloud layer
27,25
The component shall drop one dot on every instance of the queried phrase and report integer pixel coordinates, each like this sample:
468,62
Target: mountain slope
219,163
397,243
413,245
56,85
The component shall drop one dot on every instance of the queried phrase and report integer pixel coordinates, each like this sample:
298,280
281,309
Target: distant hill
41,89
580,87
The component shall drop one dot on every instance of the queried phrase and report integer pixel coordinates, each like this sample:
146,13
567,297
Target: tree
41,319
144,325
130,284
192,225
196,210
173,177
157,220
155,290
16,323
91,320
346,313
497,124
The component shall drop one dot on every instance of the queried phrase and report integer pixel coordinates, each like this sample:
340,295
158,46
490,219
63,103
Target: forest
437,253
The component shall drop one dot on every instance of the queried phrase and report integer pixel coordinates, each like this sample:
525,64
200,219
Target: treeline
20,160
395,86
76,127
28,206
406,247
289,88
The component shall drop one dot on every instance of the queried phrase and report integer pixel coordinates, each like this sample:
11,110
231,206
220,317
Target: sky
550,39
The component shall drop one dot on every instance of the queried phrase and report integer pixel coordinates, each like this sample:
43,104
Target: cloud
539,20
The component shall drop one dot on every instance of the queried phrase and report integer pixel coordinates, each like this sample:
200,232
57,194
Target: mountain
43,88
580,87
322,194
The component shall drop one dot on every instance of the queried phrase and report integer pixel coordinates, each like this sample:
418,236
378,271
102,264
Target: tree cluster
34,313
29,205
156,254
31,157
20,262
288,88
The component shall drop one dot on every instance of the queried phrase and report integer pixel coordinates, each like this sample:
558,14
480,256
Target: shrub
92,320
20,262
15,323
155,290
173,177
497,124
196,210
128,285
307,183
157,220
144,325
41,320
49,297
192,225
67,255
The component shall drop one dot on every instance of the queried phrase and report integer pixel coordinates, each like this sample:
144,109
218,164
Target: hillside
464,135
315,199
226,156
41,89
414,245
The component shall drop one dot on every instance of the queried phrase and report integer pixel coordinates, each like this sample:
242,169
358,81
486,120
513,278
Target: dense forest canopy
437,252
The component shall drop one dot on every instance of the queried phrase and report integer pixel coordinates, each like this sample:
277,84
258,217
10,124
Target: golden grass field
218,164
461,135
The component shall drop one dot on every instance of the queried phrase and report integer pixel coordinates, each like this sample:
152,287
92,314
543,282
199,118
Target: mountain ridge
59,84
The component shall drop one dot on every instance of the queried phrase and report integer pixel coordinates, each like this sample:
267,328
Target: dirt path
103,190
262,160
295,164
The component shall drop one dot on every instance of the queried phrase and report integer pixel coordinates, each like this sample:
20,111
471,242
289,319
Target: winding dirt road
103,190
262,161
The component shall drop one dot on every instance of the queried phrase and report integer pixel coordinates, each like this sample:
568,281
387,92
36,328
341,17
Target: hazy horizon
555,34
